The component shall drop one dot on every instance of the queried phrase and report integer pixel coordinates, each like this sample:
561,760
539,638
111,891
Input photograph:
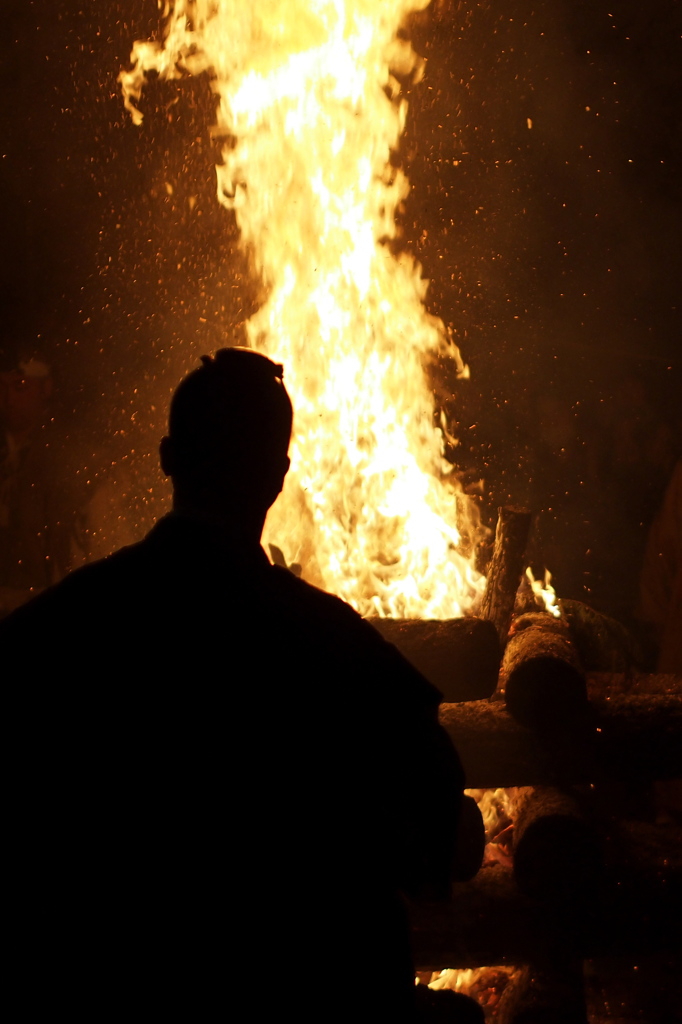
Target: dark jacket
214,759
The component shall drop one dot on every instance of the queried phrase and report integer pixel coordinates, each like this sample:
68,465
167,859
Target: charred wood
459,656
628,737
635,989
614,684
640,735
603,643
637,908
544,682
488,921
557,855
630,845
546,994
506,567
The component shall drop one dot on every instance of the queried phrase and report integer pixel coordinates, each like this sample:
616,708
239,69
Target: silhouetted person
220,771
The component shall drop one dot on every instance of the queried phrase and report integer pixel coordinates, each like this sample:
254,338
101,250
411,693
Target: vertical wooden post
506,567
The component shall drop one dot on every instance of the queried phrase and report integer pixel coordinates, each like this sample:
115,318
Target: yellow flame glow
545,594
472,982
311,107
495,805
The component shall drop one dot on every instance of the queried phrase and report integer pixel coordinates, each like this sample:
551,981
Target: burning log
506,567
556,853
488,921
628,737
604,685
544,684
459,656
548,994
602,643
637,908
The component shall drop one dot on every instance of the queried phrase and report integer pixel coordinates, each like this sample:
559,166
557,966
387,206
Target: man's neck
238,527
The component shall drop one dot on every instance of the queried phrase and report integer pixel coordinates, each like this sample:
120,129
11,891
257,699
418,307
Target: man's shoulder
122,561
301,591
321,607
79,592
354,642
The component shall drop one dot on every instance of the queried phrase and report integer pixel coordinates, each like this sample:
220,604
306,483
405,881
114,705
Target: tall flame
312,113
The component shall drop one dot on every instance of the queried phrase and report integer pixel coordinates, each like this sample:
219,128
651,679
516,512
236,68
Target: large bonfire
311,111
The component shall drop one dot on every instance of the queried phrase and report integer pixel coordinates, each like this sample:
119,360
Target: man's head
229,431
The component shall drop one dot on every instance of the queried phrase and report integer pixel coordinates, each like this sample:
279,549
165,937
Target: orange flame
312,107
545,594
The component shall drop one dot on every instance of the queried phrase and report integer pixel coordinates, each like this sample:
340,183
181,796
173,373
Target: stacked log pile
626,736
571,719
635,908
557,855
550,993
506,567
544,683
459,656
581,887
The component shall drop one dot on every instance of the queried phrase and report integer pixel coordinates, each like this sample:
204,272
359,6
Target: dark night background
544,152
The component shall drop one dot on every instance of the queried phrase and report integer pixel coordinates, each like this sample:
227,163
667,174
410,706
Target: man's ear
167,456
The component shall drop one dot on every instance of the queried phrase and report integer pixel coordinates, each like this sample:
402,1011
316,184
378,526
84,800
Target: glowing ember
496,807
485,984
311,106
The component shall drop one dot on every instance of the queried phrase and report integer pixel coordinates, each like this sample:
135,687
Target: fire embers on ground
484,984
